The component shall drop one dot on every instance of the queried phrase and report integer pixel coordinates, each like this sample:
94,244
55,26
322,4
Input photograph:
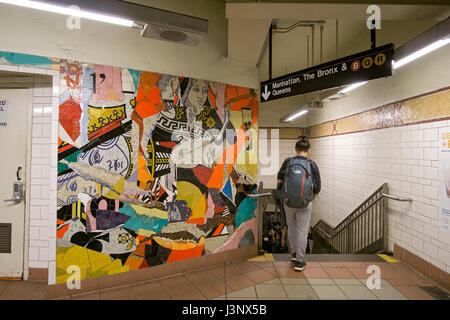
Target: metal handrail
325,234
257,195
354,212
359,215
365,228
396,198
374,203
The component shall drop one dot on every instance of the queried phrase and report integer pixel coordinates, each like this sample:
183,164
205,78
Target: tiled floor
259,280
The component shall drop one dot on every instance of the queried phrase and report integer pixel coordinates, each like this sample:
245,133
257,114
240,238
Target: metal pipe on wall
275,29
373,43
303,23
307,51
313,29
321,43
337,37
270,50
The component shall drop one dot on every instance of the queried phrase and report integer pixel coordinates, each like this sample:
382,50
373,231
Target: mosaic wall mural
152,168
145,172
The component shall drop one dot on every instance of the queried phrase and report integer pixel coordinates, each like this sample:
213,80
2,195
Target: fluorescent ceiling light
352,86
70,12
296,115
397,64
421,52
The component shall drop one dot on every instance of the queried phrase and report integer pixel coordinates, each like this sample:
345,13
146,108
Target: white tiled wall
286,148
43,182
352,166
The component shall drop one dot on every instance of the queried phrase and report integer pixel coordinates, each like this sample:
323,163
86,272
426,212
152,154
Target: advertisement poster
3,113
444,173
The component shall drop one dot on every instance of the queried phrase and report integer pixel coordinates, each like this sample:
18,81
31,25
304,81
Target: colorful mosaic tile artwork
152,168
129,194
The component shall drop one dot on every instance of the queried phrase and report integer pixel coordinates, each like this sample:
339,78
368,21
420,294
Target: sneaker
300,266
293,257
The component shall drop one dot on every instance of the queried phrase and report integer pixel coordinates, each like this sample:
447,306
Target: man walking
300,179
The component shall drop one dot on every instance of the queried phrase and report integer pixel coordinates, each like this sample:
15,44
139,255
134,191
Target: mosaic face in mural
152,169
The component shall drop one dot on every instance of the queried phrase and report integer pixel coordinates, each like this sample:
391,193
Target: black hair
302,144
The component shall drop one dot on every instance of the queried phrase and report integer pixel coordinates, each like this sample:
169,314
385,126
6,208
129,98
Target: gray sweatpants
298,225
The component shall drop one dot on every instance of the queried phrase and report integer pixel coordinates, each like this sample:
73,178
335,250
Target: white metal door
14,113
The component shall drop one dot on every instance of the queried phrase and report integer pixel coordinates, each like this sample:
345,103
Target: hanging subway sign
363,66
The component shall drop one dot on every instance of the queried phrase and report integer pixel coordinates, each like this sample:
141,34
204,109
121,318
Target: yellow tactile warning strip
388,258
265,257
269,257
258,258
286,257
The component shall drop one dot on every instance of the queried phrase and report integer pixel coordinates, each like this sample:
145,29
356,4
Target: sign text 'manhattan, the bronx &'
294,80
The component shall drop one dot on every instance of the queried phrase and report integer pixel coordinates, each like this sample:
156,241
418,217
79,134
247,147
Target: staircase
364,231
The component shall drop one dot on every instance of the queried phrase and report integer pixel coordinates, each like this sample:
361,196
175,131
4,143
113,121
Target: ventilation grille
5,237
169,33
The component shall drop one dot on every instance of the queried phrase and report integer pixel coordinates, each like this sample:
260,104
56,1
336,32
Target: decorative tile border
431,106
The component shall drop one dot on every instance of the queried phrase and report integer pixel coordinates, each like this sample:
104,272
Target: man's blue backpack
297,188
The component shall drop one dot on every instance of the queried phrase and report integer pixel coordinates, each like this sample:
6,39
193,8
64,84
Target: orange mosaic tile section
428,107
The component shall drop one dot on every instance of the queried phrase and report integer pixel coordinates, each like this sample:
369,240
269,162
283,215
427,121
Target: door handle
17,193
18,173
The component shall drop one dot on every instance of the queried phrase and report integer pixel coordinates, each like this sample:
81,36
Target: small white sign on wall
444,174
3,113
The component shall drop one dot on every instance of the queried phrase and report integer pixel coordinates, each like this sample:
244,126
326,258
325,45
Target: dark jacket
314,172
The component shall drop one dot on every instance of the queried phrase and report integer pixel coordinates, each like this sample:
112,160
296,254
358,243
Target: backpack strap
288,161
310,165
306,169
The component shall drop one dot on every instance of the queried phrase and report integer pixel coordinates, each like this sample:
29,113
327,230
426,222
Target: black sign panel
363,66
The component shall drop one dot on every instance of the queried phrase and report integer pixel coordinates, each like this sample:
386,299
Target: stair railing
365,229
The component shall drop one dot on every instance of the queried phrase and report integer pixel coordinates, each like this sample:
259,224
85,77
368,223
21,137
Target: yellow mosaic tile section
55,64
425,108
92,264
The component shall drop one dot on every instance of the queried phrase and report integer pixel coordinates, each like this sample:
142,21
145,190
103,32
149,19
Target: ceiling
249,22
